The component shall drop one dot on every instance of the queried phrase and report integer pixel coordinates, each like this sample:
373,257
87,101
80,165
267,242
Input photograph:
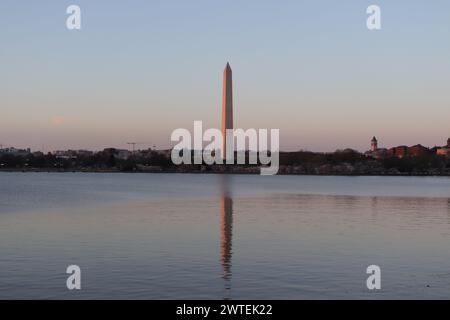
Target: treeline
97,161
301,162
406,165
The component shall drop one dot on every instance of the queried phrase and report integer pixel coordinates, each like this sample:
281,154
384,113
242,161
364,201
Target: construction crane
133,144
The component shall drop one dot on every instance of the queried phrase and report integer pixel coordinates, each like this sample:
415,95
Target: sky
137,70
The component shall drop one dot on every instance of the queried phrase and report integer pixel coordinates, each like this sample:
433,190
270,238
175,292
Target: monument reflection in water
226,229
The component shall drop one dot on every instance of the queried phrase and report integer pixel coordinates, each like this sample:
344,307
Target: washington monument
227,108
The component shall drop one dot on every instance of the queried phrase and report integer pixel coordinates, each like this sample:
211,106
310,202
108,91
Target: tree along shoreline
339,163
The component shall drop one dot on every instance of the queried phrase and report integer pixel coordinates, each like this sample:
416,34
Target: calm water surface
182,236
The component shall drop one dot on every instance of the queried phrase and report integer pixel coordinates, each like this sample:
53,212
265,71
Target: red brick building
414,151
444,151
400,151
418,150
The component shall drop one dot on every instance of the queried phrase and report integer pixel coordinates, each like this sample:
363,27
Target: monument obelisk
227,108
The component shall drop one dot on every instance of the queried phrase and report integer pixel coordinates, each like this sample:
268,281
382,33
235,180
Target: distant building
165,153
374,144
38,154
16,152
444,151
375,152
414,151
121,154
109,151
400,151
72,154
418,150
85,153
65,154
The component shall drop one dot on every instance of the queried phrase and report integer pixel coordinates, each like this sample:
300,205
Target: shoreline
224,172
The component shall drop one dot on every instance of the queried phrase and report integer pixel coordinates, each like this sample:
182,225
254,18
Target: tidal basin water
183,236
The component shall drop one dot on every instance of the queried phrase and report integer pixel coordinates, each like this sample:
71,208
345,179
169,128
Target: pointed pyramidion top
227,67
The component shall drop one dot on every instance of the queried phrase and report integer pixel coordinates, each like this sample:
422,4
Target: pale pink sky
311,69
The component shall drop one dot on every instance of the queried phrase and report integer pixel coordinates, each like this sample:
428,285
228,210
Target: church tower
374,144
